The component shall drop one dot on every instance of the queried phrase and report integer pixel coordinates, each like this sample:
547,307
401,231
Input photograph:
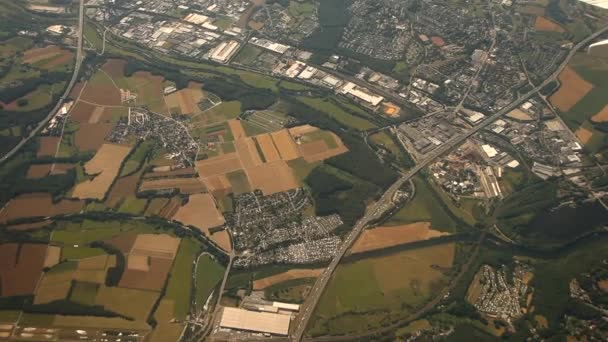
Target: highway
68,89
373,211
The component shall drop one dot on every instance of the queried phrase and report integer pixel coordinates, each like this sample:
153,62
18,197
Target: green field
208,274
425,206
84,293
239,182
290,291
595,71
136,158
387,289
337,113
180,279
248,54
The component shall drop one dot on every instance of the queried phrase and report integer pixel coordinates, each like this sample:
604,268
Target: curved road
374,210
67,91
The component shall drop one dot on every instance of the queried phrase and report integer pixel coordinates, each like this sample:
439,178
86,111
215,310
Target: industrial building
223,52
255,321
361,93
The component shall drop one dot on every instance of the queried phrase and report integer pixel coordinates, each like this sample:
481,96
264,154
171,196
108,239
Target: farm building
265,322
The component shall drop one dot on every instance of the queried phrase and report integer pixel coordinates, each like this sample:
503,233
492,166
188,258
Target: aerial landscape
303,170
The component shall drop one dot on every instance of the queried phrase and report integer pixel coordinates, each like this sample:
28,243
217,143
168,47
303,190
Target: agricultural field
389,236
581,101
388,288
263,158
113,288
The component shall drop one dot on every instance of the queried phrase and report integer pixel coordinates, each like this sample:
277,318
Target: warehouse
255,321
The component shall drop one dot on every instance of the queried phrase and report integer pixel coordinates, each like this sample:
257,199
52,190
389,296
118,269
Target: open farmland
388,287
544,24
105,164
49,57
42,170
136,304
383,237
202,213
48,146
297,273
37,205
149,262
260,161
185,101
602,116
572,89
20,268
185,185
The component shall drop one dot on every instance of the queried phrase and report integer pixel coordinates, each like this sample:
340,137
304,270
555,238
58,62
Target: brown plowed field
272,177
123,242
602,116
37,204
101,93
200,212
105,164
222,239
263,283
285,144
152,280
115,68
90,137
20,268
238,132
572,89
583,134
383,237
48,146
267,145
42,170
171,208
122,188
218,165
544,24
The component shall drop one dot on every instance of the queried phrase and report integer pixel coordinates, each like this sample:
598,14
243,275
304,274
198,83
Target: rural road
374,212
68,89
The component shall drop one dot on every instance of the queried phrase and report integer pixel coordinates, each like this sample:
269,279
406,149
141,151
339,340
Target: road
68,89
373,211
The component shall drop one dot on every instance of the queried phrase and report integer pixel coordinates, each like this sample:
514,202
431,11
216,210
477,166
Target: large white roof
266,322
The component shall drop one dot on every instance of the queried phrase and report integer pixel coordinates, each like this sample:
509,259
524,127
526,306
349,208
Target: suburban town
303,170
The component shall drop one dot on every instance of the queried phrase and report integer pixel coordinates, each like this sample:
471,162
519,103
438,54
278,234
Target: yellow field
105,165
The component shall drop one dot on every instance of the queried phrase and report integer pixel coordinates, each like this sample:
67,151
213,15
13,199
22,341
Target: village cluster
270,229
